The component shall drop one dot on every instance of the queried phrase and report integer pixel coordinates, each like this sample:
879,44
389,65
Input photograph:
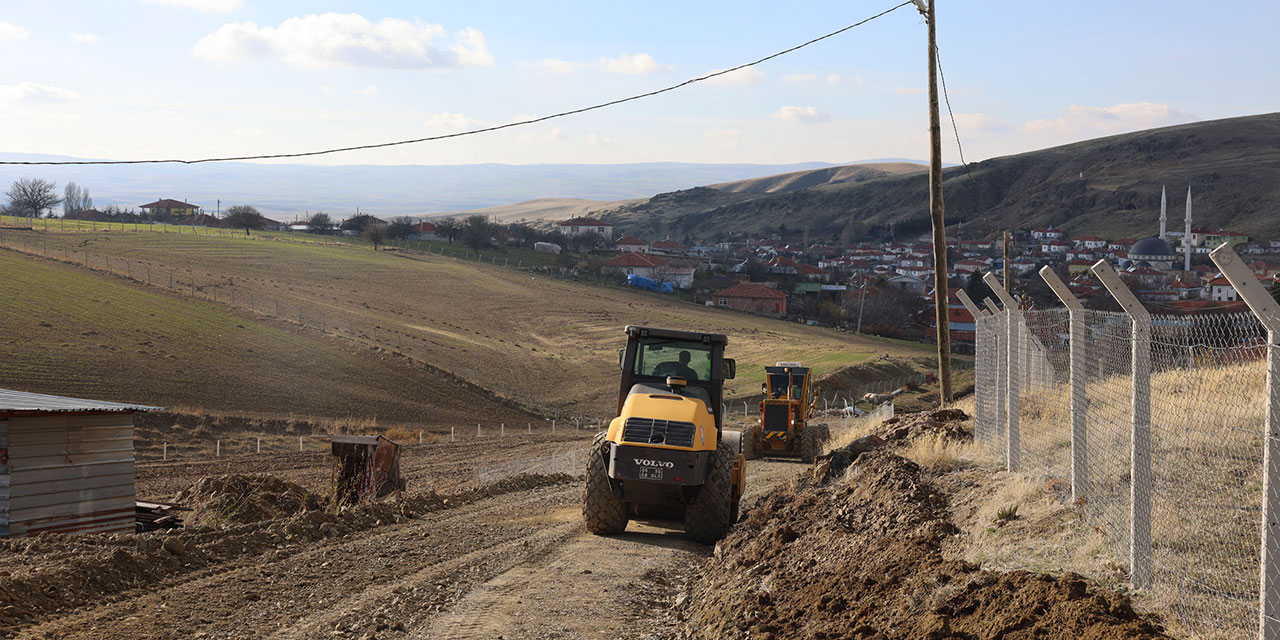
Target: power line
977,200
460,134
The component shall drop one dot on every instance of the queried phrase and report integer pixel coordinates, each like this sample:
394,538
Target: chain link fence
1160,445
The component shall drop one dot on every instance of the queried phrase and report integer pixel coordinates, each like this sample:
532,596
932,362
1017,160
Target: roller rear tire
711,515
603,512
749,437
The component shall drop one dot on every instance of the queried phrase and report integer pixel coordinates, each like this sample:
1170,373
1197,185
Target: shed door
4,478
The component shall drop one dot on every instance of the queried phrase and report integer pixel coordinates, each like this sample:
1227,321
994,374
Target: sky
137,79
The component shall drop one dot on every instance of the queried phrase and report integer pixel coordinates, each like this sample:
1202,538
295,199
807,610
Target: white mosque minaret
1186,236
1163,218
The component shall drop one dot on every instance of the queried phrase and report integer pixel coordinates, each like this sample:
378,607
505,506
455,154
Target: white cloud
745,75
836,78
11,31
451,122
1079,120
979,123
347,40
801,114
633,63
368,90
909,91
599,141
33,93
629,63
85,38
831,78
207,6
551,136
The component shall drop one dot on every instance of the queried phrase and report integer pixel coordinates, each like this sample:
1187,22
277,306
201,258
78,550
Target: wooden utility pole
940,297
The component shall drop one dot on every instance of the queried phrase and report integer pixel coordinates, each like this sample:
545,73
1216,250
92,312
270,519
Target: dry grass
1206,476
522,335
940,455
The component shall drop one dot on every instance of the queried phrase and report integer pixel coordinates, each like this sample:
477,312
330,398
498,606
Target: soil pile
241,499
947,423
50,573
859,554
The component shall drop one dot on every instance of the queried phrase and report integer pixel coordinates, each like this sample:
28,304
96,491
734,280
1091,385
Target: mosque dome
1151,246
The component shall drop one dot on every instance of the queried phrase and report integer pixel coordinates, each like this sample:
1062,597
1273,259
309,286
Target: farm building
66,464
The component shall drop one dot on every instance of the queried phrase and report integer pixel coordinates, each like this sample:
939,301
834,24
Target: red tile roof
632,240
168,203
424,227
750,290
584,222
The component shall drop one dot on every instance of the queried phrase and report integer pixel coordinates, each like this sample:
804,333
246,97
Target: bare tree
75,199
374,232
400,228
450,228
243,216
319,222
476,231
32,196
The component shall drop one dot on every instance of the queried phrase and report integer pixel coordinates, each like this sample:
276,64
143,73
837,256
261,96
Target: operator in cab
677,369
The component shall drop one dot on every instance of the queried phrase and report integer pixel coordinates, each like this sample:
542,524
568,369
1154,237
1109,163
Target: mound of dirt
855,379
860,556
42,575
241,499
947,423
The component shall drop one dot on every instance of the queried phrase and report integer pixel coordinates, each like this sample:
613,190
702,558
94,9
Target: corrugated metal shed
66,464
11,400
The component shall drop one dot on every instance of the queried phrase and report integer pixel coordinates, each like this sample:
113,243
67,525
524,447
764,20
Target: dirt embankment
855,549
237,516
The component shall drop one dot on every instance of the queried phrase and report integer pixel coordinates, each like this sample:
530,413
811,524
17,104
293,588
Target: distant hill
539,209
285,190
1108,186
797,180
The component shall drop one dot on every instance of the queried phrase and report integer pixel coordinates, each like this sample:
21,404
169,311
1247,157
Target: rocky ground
856,546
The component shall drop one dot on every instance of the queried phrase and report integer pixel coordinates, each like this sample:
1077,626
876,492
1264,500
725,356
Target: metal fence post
1268,312
979,368
1013,329
1140,426
1079,424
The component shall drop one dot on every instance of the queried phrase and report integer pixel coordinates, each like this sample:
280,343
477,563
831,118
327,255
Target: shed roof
11,400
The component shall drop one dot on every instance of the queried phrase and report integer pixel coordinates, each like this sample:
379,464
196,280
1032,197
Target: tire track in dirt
592,586
382,581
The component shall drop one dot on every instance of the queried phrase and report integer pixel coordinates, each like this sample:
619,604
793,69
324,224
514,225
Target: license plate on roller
650,473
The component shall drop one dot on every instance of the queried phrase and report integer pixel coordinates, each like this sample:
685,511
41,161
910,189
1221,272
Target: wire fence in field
395,340
569,462
836,400
851,425
1156,424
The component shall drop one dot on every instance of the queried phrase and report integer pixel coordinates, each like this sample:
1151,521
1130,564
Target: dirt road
516,565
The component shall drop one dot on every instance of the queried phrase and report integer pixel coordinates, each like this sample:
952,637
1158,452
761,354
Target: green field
510,256
544,341
74,332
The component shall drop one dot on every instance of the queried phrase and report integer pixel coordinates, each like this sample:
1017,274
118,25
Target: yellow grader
666,456
785,413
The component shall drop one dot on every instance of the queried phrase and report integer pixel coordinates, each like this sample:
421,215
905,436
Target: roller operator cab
786,412
666,455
